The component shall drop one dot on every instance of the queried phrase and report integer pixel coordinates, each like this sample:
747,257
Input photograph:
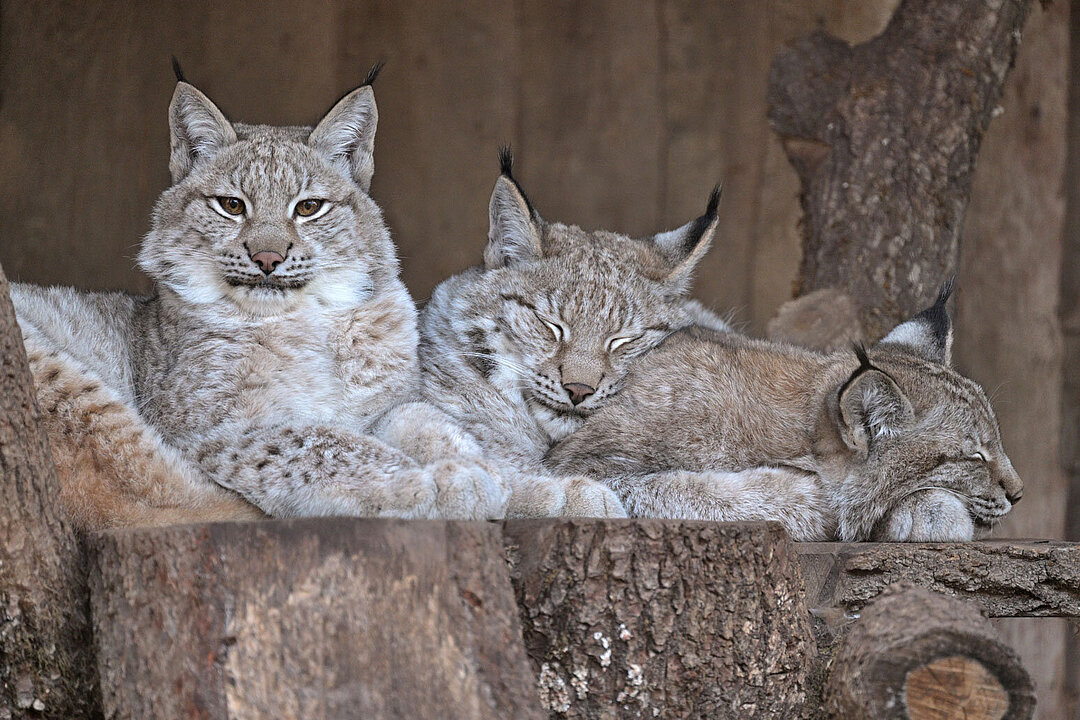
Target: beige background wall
622,115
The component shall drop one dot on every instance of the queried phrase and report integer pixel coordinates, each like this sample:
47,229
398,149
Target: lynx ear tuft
928,334
177,70
373,73
514,228
685,246
346,134
197,128
871,405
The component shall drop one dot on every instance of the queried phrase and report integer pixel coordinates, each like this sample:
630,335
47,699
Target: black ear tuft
937,315
714,201
373,73
178,70
864,365
506,161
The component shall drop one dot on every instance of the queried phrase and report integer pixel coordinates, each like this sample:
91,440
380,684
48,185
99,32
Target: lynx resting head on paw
889,443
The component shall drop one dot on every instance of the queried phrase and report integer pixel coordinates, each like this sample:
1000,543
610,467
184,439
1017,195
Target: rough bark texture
338,618
917,654
884,137
1006,578
46,663
652,618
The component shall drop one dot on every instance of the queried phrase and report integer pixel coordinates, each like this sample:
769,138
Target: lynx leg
788,496
537,496
114,470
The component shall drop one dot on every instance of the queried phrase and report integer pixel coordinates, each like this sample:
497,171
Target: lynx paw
468,491
927,516
588,498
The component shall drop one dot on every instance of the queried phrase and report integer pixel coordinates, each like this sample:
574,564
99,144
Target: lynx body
274,369
891,444
524,348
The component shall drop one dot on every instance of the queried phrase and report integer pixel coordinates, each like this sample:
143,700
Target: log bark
920,655
338,618
662,618
46,663
884,137
1006,578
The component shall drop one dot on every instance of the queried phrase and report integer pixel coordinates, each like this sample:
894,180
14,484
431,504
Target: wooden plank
1007,578
339,618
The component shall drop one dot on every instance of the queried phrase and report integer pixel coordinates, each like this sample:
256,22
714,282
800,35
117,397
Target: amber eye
307,208
231,205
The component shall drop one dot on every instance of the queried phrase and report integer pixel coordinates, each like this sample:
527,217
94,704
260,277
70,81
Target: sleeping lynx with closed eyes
274,367
885,444
522,349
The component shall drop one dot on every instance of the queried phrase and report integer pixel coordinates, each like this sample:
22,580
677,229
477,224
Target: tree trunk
884,137
916,654
662,618
317,618
47,667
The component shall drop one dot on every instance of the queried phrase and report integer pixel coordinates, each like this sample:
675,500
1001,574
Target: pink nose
267,260
578,392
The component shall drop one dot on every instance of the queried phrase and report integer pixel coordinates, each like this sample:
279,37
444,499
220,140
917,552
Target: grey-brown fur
292,385
892,445
500,341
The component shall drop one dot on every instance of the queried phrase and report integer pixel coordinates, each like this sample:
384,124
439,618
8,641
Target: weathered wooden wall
623,115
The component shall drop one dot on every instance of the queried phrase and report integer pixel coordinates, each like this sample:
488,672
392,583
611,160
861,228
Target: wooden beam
1007,578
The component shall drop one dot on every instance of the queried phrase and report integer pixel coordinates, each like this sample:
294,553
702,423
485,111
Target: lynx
274,368
522,349
885,444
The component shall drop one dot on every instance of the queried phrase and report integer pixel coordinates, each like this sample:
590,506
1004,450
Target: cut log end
917,654
954,687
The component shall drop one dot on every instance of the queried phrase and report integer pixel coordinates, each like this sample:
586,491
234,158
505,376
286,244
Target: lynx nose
578,392
267,260
1015,497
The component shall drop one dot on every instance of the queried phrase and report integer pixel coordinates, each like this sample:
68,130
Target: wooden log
662,618
1006,578
46,661
884,137
920,655
316,618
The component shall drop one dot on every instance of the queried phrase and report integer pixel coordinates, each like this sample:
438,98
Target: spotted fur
231,392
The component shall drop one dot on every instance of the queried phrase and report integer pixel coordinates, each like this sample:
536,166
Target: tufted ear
197,129
346,134
684,247
929,333
871,406
514,226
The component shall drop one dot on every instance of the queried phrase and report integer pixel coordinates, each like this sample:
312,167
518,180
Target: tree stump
318,618
46,664
662,618
920,655
884,137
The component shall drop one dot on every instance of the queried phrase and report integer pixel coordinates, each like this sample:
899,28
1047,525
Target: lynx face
561,312
261,218
934,442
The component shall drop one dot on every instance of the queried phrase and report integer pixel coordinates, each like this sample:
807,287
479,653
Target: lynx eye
231,205
556,330
307,208
617,342
977,457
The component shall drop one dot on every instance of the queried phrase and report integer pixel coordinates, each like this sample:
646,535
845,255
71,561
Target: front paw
589,498
926,516
469,491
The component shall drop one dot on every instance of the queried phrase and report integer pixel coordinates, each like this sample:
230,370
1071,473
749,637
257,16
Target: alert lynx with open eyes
274,368
524,348
888,443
